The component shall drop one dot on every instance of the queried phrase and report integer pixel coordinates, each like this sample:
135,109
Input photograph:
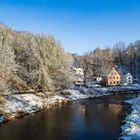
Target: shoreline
17,106
131,128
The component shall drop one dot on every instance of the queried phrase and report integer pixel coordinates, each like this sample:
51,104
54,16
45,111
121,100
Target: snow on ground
124,88
25,103
20,105
131,130
84,93
75,95
136,85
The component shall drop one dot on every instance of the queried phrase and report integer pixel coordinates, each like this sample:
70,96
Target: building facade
113,78
127,78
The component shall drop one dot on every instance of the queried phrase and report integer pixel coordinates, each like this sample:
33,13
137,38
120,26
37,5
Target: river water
92,119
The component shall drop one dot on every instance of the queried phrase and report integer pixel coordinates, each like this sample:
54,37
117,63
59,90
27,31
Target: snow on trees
30,61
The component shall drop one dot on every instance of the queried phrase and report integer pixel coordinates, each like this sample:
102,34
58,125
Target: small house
79,75
112,77
127,79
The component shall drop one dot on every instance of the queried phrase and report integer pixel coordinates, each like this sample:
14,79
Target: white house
127,78
79,74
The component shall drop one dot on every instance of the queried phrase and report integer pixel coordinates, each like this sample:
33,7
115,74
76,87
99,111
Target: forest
32,62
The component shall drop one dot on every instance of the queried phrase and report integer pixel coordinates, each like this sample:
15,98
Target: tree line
97,63
32,62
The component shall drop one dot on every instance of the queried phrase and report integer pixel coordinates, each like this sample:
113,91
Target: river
93,119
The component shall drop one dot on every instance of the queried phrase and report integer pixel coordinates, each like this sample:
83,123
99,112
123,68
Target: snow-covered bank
131,130
14,106
133,87
21,105
84,93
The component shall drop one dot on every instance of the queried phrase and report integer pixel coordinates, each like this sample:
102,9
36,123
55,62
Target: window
110,83
117,77
110,78
114,82
114,77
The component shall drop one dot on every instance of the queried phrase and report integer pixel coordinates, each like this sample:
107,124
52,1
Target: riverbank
131,129
16,106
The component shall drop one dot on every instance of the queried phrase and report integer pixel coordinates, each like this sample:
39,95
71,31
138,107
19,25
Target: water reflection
97,119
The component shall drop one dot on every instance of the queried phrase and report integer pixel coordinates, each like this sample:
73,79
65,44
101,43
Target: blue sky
80,25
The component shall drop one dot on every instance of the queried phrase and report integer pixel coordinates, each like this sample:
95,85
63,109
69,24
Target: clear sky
80,25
